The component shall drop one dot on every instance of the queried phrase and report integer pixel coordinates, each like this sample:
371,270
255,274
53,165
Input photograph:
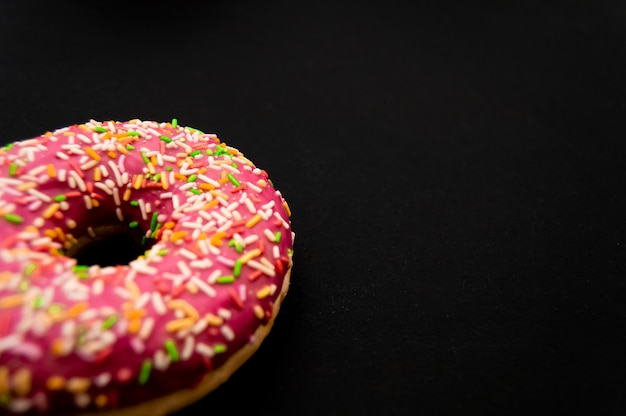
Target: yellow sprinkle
76,310
264,292
65,133
92,153
258,312
26,186
11,301
151,168
51,210
51,171
101,400
213,320
78,385
178,324
250,255
55,383
126,196
253,221
22,382
261,183
4,381
164,181
189,310
138,181
134,325
122,149
85,128
287,208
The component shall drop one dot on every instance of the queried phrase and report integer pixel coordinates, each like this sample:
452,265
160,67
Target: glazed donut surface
216,257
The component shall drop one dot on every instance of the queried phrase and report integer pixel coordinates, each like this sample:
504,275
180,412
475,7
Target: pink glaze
86,338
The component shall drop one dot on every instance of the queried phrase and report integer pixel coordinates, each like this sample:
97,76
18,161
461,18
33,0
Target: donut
153,334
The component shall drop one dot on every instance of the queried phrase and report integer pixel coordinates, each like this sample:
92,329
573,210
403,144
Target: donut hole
112,246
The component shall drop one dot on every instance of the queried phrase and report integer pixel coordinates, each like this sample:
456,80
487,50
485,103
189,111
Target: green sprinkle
55,309
130,147
60,198
192,178
219,348
144,374
38,302
270,181
145,158
133,224
174,122
233,180
144,240
133,133
14,218
209,152
290,251
24,286
236,244
237,268
195,191
99,129
157,177
13,169
162,252
166,139
225,279
169,169
277,237
171,349
195,153
235,165
110,321
134,203
192,129
9,146
30,269
153,222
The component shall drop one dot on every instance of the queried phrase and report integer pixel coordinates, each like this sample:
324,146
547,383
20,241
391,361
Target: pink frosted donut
153,335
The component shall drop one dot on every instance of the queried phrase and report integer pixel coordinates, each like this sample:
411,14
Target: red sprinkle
77,169
235,297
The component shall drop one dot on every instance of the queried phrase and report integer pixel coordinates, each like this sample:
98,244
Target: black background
455,172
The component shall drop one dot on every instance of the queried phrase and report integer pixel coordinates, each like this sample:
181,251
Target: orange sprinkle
253,221
101,400
210,204
26,186
97,174
50,233
178,235
192,287
216,239
287,208
11,301
22,381
51,210
58,347
77,309
164,181
55,383
134,325
106,136
261,183
95,202
217,193
85,128
112,154
206,186
122,149
178,324
213,320
138,181
126,196
92,153
51,171
180,176
78,385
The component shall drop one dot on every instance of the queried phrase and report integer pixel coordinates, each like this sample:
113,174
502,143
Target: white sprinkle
142,207
68,329
158,304
251,239
175,202
102,380
258,266
98,287
204,349
116,197
279,217
250,206
90,230
82,400
201,264
203,287
199,326
169,158
137,345
208,180
120,216
143,300
276,252
87,200
104,171
269,235
35,205
184,269
227,332
161,360
103,187
224,313
225,261
225,226
188,348
189,255
166,195
146,328
40,195
122,292
243,294
91,164
83,138
62,156
116,173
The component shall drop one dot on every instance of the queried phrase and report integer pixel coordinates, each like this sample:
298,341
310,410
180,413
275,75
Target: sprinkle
11,301
13,218
55,382
166,139
171,349
78,385
219,348
174,122
92,153
110,321
146,367
178,324
185,307
264,292
233,180
225,279
99,129
253,221
258,312
237,268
